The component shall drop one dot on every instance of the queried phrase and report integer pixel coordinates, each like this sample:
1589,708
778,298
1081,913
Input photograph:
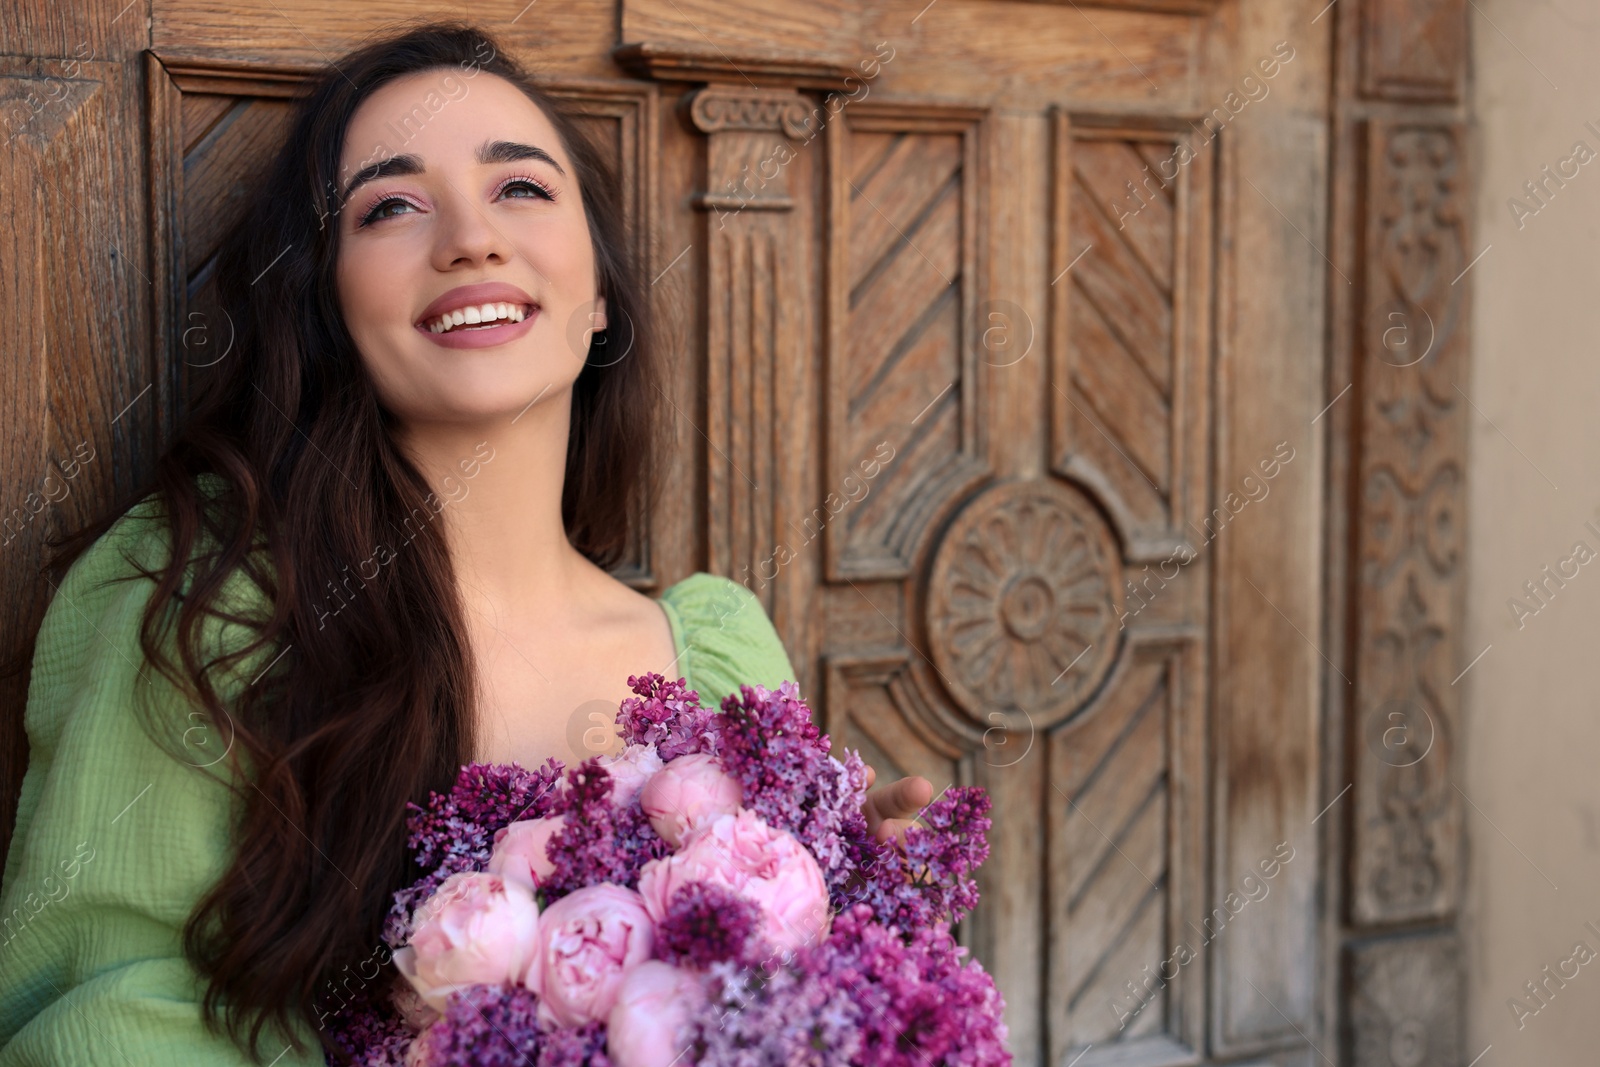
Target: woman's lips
481,336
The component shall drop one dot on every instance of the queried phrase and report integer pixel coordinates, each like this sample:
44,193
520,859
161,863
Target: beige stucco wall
1531,767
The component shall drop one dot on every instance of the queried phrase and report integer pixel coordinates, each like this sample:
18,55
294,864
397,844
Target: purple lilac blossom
777,1016
455,832
771,746
669,716
920,1003
928,877
709,923
600,842
498,1026
866,996
368,1031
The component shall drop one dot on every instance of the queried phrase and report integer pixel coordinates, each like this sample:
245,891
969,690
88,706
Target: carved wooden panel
1130,303
1406,1002
1126,867
1414,49
1409,560
905,195
1129,405
208,124
1029,670
1398,450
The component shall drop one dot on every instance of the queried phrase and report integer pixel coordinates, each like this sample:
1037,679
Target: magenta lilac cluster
710,894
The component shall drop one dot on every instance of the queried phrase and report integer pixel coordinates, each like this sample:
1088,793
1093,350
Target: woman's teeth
481,317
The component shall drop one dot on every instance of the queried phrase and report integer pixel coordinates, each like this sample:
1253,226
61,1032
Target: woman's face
465,270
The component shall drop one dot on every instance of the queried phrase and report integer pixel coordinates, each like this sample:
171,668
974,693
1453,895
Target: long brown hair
372,709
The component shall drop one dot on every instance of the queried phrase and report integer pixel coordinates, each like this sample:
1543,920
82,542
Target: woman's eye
523,188
386,208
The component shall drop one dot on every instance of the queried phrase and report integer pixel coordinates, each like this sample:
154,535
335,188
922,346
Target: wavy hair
321,840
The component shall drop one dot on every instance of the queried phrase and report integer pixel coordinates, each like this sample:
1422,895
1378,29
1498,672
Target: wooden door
1000,345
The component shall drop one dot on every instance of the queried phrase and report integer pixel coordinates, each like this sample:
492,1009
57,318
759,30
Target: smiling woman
250,821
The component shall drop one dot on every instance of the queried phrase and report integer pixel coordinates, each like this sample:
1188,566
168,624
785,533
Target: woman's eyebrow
393,165
488,152
512,151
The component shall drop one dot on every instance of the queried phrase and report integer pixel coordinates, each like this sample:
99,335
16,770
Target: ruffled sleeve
116,839
724,636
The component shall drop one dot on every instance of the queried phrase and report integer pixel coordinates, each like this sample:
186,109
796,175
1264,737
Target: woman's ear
583,326
597,323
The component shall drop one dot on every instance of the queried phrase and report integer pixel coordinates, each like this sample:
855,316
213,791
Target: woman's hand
893,807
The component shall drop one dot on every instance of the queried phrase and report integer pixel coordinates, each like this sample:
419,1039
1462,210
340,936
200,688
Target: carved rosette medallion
1024,602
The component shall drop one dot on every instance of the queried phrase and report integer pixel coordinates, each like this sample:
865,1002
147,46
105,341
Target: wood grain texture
107,30
1130,276
1272,282
624,119
935,152
1414,50
677,281
1031,54
701,61
557,38
1190,7
77,407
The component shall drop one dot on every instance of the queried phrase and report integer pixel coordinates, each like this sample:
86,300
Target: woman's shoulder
89,637
725,636
139,540
93,615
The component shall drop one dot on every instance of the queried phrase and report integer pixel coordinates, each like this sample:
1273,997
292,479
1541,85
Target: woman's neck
500,486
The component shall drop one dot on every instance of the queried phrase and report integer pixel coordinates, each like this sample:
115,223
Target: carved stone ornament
1024,602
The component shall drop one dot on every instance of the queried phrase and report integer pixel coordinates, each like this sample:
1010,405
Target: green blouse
116,839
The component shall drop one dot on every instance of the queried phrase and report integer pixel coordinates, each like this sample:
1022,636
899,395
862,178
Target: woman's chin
496,409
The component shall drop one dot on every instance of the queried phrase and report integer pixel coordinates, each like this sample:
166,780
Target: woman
400,493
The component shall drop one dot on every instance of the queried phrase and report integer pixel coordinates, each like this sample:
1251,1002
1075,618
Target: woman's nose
467,235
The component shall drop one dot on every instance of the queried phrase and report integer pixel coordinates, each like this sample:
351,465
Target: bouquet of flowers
708,895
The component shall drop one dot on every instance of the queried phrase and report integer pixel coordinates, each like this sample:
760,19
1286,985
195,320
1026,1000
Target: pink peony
649,1026
587,942
476,928
767,866
687,794
519,851
630,769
